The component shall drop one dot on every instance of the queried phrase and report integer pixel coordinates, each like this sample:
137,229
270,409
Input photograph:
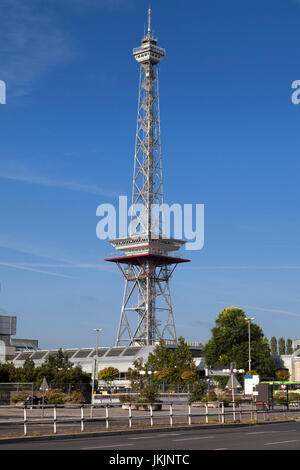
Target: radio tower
146,315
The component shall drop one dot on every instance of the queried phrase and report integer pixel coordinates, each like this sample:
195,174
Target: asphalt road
277,436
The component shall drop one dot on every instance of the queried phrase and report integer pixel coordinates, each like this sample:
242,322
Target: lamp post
249,341
232,371
95,371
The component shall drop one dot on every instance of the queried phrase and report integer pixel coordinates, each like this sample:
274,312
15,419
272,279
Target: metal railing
166,415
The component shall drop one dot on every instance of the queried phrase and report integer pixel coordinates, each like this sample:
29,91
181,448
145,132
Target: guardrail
184,413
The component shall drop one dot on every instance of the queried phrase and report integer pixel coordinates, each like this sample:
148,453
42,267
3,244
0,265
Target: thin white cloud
263,309
102,267
273,310
42,180
279,267
28,268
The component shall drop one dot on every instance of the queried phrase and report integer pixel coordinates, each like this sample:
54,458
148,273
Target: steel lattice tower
147,266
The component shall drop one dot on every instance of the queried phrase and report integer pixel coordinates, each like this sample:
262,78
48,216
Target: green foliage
251,372
75,397
280,398
7,371
59,360
127,398
172,366
160,359
198,391
150,393
55,376
108,374
188,376
19,398
229,343
135,376
274,346
56,397
281,345
289,346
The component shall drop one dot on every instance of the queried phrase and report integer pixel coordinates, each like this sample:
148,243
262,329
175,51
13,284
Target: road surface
277,436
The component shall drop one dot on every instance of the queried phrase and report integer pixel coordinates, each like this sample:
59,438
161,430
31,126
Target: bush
150,393
18,398
127,398
212,395
279,399
198,391
75,397
56,397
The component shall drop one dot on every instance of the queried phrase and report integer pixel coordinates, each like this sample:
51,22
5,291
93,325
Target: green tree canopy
289,346
229,343
58,360
174,366
108,374
274,345
281,345
55,375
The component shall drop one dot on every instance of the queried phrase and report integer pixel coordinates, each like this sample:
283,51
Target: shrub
56,397
127,398
212,395
17,398
150,393
198,391
75,397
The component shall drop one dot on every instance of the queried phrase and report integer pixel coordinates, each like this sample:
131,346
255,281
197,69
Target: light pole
231,372
249,341
95,372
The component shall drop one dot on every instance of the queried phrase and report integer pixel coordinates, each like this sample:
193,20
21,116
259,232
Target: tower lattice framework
147,314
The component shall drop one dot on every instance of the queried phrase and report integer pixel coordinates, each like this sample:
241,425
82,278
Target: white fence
130,415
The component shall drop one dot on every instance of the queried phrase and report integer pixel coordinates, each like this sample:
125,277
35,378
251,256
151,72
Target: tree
172,366
188,376
135,374
59,360
7,371
183,366
199,391
289,346
160,359
229,343
281,345
274,346
108,374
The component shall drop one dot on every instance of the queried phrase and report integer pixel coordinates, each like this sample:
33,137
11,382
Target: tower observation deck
146,262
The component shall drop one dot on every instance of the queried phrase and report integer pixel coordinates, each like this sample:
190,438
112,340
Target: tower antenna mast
147,266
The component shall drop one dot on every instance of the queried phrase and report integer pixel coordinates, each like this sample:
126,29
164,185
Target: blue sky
229,140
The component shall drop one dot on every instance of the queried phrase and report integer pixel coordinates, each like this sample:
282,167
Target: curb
51,437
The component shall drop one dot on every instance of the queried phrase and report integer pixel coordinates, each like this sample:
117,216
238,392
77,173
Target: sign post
44,388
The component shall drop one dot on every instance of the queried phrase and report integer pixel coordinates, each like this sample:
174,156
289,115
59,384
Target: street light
95,372
231,372
249,341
